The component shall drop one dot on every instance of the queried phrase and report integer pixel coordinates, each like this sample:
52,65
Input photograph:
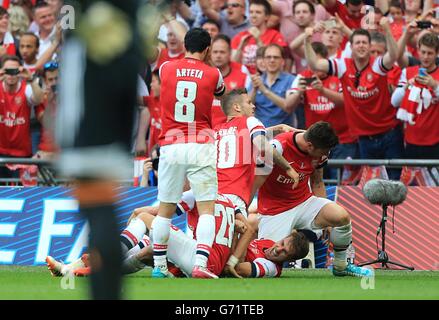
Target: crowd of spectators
367,67
30,40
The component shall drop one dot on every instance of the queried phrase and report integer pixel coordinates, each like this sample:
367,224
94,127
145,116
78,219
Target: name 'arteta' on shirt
193,73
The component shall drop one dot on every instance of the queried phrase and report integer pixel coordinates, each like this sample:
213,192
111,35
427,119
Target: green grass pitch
37,283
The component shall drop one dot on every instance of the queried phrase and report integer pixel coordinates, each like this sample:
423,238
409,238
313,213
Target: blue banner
41,221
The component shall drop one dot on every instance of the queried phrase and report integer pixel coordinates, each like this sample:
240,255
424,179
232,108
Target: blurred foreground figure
99,66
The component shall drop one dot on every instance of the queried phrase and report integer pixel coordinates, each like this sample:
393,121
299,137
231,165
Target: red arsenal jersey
218,116
425,131
367,97
187,90
47,141
235,162
224,228
15,139
339,8
248,57
319,107
238,78
165,56
262,267
276,194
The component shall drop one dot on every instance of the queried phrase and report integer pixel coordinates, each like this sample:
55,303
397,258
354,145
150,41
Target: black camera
155,164
12,72
423,24
54,88
308,81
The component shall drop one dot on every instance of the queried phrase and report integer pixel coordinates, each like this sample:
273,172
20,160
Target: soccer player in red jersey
283,209
369,114
239,141
183,247
187,147
263,258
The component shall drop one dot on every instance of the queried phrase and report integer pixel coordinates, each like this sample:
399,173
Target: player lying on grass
263,258
183,249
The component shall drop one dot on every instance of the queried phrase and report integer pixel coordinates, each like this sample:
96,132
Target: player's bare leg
205,234
333,215
160,236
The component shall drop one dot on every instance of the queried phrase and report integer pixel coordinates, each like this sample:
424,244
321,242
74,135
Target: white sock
341,237
160,236
205,235
132,234
142,244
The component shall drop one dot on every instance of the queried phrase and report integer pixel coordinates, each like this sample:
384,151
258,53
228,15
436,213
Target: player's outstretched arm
314,63
391,56
279,128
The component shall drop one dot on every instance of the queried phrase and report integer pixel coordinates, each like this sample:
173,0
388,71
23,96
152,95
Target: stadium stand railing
47,174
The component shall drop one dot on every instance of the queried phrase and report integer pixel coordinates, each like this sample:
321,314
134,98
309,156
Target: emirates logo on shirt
11,120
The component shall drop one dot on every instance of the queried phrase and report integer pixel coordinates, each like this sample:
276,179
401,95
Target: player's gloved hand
293,175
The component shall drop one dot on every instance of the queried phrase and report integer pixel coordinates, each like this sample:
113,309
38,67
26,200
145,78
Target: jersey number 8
186,94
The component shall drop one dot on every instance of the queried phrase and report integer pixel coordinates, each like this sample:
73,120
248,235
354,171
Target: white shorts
182,250
195,161
238,203
280,225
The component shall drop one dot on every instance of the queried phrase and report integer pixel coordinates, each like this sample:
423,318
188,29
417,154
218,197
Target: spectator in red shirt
378,47
235,75
153,103
246,43
370,115
46,110
351,13
398,21
323,101
421,129
7,41
174,45
304,15
19,91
